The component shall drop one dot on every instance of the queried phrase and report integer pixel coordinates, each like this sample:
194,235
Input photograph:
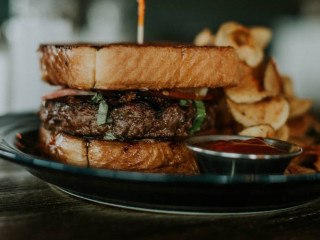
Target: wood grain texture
31,209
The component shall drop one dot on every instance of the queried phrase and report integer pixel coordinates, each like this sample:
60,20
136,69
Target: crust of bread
70,150
131,66
142,156
73,68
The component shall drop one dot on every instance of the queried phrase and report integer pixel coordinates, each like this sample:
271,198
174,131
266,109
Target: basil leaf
200,116
102,113
97,98
184,103
103,109
109,136
109,119
120,138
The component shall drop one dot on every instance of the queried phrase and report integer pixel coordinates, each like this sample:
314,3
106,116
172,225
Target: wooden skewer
141,10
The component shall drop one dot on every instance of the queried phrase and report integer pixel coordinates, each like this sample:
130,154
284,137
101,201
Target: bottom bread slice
143,156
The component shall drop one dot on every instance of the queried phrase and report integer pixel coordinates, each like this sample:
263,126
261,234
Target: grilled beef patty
129,117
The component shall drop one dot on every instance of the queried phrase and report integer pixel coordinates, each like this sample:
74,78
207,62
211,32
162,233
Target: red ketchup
251,146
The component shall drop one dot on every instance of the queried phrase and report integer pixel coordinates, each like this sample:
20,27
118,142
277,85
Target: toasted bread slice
71,150
142,156
131,66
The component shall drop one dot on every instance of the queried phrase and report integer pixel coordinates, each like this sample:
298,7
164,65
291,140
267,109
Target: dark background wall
295,43
182,20
179,20
4,10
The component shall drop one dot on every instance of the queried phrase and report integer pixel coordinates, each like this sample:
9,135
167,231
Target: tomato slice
167,93
66,92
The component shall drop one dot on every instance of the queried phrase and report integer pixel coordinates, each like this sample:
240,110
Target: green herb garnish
109,137
103,109
102,113
109,120
97,98
184,103
200,116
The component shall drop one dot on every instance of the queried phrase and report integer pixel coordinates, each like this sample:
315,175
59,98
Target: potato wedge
239,37
273,111
205,38
251,55
287,86
249,89
261,36
299,107
262,130
272,80
283,133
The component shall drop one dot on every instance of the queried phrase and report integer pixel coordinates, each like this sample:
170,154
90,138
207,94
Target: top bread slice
131,66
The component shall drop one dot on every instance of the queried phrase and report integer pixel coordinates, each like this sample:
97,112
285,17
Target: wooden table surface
32,209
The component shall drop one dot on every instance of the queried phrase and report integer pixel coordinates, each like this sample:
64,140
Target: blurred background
25,24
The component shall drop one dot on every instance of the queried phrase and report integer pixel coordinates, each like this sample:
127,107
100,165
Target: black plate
200,194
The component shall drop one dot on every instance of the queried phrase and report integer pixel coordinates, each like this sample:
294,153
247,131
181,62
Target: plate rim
177,212
24,159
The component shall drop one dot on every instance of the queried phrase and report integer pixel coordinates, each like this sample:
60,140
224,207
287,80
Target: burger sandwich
129,107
